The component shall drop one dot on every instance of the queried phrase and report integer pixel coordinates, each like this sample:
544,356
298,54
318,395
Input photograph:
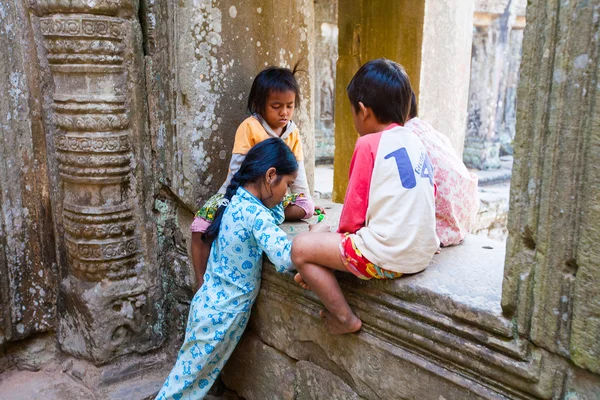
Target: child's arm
273,241
200,253
300,184
305,203
356,202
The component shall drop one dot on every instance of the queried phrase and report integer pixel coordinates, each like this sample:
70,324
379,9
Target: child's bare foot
300,281
438,251
338,327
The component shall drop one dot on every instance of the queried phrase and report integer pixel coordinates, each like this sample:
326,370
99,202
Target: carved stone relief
105,290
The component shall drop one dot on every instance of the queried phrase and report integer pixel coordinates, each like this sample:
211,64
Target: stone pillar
445,65
494,76
28,266
552,275
201,58
109,295
219,47
326,54
429,38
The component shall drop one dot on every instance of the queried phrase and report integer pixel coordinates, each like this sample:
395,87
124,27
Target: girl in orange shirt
273,99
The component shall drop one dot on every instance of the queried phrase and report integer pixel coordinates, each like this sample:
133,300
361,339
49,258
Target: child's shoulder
248,206
399,134
251,123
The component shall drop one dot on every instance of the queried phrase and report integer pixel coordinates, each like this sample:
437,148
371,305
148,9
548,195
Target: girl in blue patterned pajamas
245,226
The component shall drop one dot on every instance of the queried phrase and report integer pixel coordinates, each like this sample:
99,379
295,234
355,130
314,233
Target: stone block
34,353
104,320
257,371
315,383
552,271
43,385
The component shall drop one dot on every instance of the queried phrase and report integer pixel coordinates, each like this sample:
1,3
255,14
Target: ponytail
270,153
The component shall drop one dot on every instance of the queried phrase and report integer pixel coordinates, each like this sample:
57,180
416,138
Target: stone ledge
456,283
446,321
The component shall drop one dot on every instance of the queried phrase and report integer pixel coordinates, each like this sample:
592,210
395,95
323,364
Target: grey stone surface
257,371
44,385
315,383
33,353
552,271
28,270
498,6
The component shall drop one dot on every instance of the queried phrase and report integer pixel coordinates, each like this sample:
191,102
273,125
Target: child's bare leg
294,213
200,254
316,255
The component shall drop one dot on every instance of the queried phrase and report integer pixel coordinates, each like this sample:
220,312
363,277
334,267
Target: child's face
276,190
279,109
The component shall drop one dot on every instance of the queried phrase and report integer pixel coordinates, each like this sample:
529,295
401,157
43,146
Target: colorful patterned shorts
206,215
358,264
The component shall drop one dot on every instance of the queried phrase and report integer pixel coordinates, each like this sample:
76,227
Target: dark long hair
272,79
271,153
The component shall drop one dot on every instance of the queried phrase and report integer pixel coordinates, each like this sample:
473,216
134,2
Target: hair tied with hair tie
223,202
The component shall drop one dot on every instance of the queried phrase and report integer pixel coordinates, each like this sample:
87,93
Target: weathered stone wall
109,291
552,277
28,269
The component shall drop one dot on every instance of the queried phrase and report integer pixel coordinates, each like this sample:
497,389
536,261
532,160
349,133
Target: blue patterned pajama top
220,310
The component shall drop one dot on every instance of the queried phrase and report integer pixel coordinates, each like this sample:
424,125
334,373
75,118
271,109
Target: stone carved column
106,294
552,274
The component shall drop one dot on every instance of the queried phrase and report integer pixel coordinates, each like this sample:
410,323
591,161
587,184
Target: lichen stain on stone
581,61
232,12
209,79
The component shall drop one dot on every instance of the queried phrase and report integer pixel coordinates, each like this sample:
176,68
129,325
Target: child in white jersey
387,226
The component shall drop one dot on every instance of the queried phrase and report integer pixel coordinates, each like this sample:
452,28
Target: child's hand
319,228
300,281
199,282
319,210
